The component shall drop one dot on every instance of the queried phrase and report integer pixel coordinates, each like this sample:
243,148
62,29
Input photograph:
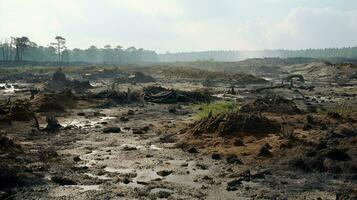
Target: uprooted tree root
157,94
118,96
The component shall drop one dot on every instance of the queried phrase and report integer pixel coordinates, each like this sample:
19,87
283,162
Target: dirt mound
339,72
162,95
272,104
59,82
18,110
53,101
234,123
137,77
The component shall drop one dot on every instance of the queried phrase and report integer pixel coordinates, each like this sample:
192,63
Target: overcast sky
184,25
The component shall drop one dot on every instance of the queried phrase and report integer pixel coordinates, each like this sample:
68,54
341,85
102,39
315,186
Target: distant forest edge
346,52
22,49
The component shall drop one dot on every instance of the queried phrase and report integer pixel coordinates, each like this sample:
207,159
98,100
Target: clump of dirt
53,101
272,104
18,110
60,82
137,77
234,123
159,94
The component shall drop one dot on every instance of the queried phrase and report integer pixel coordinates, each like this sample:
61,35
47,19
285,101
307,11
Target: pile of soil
272,104
137,77
59,82
234,124
8,169
53,101
326,156
162,95
18,110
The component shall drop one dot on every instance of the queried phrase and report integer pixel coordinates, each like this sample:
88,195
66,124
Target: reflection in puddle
84,122
155,148
8,88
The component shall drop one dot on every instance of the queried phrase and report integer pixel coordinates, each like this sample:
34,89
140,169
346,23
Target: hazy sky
184,25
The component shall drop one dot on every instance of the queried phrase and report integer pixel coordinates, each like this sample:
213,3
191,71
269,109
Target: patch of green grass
215,108
343,110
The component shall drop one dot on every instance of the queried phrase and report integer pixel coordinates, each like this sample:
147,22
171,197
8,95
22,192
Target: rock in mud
129,148
192,150
140,131
113,129
216,156
63,180
234,185
52,124
264,151
124,119
233,159
238,143
76,159
131,112
164,172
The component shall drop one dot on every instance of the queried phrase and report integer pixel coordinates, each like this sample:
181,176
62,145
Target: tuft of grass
343,110
287,132
215,108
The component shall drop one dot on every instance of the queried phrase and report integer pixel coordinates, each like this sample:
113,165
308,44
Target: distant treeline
348,52
22,49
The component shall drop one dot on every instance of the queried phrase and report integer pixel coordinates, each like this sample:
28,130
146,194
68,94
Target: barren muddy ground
140,138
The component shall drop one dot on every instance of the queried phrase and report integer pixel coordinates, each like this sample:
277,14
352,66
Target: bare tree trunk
59,52
10,50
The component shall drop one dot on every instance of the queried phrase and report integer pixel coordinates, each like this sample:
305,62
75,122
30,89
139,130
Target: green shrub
215,108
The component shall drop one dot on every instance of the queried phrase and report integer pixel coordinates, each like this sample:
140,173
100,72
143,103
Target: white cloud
314,28
180,25
152,7
41,20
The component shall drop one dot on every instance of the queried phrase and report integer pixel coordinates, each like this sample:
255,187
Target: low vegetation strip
215,108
